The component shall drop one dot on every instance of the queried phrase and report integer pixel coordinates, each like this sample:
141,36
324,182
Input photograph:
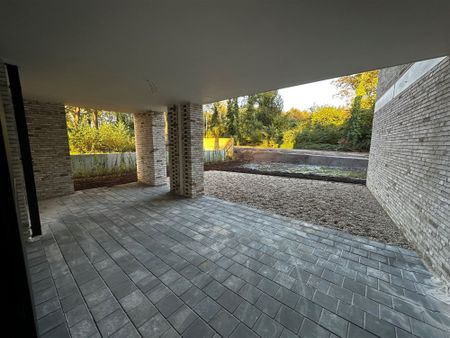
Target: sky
306,96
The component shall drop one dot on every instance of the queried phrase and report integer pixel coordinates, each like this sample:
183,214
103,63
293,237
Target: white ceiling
102,53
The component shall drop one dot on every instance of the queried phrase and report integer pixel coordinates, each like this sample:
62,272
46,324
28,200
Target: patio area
133,261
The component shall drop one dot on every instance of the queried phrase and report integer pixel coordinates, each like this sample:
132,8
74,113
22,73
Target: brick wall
185,124
150,148
409,164
388,76
49,148
14,151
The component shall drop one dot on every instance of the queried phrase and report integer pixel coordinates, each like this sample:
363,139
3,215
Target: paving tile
50,321
44,295
310,329
268,272
284,280
169,276
128,331
60,331
141,313
198,329
379,296
378,327
201,280
147,283
92,286
319,283
243,331
193,296
112,323
230,300
234,283
155,327
224,323
366,304
158,293
123,289
266,327
104,309
332,277
47,307
289,318
408,308
274,277
352,313
309,309
214,289
77,314
182,318
169,304
287,297
207,308
357,332
268,305
394,317
354,286
180,286
250,293
247,313
268,286
85,328
334,323
325,301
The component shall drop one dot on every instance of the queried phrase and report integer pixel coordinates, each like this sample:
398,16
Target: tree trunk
95,118
77,118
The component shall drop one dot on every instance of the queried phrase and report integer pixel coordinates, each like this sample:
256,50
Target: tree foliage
95,131
259,119
323,129
361,84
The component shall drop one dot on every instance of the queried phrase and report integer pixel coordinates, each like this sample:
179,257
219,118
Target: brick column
185,124
150,148
49,144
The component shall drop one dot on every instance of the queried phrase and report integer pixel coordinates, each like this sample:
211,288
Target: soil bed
81,183
347,207
322,173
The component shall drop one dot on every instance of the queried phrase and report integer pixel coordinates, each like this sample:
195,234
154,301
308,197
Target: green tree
367,83
360,90
325,128
232,119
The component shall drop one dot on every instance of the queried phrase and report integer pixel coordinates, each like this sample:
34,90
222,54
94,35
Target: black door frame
25,150
19,318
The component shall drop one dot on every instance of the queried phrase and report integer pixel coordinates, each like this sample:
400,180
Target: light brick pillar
49,145
185,124
150,148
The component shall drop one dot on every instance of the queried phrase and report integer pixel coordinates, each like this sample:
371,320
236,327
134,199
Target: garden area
102,144
260,121
294,157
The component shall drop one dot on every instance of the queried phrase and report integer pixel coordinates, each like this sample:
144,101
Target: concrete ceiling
130,55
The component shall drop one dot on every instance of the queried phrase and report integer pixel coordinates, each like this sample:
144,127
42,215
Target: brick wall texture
47,131
185,125
409,164
14,151
150,148
388,76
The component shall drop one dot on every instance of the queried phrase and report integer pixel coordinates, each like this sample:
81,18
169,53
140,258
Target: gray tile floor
132,261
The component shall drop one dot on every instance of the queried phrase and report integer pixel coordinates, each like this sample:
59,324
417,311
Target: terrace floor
132,260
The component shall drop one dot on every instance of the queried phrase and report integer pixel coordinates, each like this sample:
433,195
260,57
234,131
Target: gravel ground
343,206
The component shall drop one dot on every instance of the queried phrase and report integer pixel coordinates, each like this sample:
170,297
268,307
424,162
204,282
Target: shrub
107,138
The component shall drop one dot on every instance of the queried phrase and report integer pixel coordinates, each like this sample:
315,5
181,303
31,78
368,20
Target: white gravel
343,206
